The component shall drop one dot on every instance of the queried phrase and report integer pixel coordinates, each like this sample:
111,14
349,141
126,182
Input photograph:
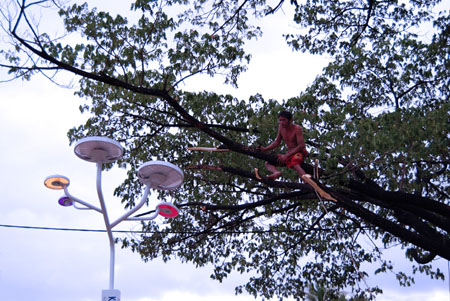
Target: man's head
284,118
286,114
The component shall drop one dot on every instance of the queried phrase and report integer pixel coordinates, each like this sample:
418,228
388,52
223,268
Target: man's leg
299,170
275,173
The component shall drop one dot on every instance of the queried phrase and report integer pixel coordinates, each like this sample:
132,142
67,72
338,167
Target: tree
376,120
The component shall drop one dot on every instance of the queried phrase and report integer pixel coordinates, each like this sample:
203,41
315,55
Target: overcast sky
37,264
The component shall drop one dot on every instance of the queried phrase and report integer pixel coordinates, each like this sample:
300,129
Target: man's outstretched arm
273,145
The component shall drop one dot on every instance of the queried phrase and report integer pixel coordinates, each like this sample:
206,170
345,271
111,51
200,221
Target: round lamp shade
65,201
160,175
98,149
167,210
56,182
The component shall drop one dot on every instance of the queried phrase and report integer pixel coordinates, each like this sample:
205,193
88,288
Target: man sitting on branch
292,135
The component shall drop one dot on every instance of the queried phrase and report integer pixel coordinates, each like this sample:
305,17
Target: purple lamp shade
65,201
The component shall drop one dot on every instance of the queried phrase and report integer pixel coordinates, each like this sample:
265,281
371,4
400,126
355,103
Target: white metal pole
108,226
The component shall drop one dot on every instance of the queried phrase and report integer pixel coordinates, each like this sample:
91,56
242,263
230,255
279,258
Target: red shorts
295,159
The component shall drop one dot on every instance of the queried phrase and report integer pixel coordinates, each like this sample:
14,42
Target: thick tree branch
399,198
435,243
439,246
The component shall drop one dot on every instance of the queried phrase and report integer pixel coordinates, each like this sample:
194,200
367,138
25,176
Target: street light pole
153,174
112,252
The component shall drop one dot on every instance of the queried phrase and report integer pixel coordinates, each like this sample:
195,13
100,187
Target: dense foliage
376,120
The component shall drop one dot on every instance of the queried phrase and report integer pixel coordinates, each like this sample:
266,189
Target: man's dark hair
286,114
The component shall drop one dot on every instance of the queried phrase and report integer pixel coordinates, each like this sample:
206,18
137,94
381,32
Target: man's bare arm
274,144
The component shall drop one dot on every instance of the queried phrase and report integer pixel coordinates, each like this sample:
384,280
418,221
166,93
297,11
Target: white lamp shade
160,175
98,149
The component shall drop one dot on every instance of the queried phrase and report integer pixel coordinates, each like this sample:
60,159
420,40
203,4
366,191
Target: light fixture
98,149
160,175
167,210
65,201
56,182
154,174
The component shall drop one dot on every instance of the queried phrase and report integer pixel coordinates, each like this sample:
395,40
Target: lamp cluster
153,174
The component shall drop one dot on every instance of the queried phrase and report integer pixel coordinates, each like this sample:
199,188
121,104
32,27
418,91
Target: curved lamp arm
155,215
136,208
74,205
77,200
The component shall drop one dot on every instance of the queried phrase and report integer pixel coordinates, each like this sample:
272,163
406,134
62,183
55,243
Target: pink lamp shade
167,210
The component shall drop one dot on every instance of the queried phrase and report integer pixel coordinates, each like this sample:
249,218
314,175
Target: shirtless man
292,135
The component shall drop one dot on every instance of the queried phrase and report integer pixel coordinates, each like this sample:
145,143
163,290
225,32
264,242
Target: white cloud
431,295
